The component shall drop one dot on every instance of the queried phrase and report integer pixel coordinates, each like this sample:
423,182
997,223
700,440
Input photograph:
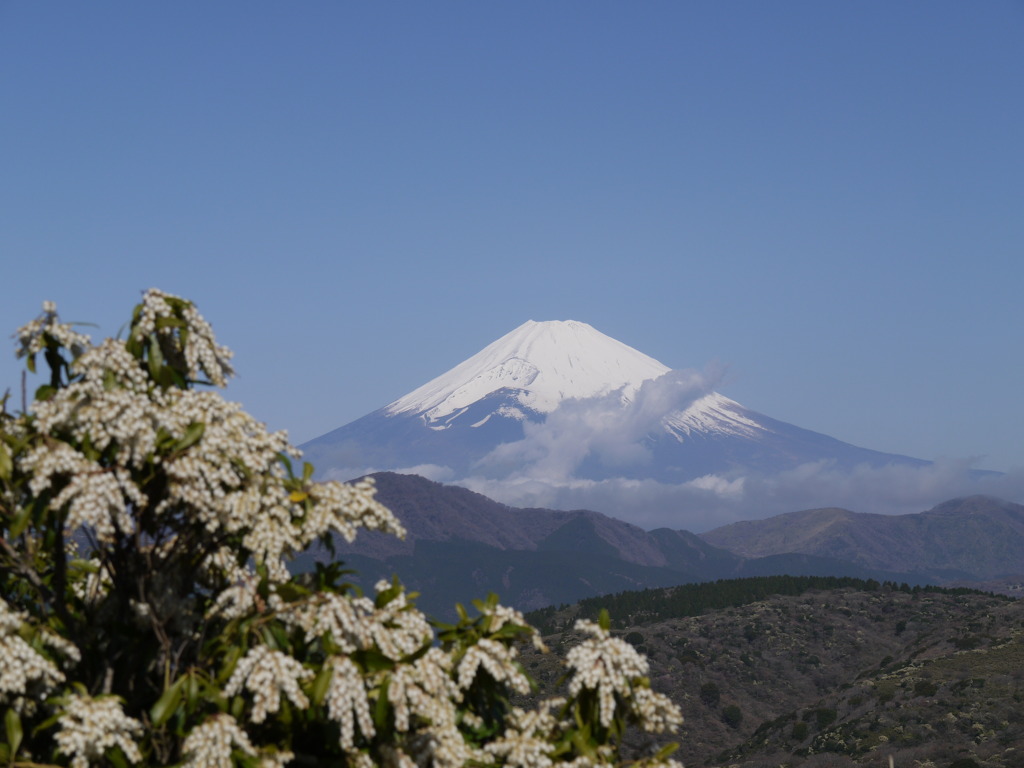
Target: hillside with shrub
843,676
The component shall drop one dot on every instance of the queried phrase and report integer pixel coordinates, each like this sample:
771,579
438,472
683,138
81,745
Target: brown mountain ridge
977,537
462,545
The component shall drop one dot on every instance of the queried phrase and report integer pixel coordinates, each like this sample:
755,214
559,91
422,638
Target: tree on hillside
148,615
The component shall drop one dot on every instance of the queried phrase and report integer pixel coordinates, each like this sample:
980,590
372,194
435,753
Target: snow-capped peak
547,362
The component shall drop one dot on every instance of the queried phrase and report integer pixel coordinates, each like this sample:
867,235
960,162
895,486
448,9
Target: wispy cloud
604,430
436,472
714,500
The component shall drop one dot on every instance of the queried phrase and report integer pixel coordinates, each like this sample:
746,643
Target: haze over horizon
821,200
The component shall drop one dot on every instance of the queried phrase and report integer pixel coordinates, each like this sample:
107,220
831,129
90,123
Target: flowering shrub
148,616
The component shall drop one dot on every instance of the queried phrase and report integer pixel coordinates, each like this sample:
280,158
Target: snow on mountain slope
557,414
712,413
546,362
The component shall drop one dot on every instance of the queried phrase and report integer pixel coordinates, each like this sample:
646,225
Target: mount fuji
558,414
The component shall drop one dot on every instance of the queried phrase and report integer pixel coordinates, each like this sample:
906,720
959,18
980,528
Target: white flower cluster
97,496
266,673
210,745
111,361
32,336
199,346
425,694
357,623
423,689
89,727
610,666
345,619
526,741
347,703
240,597
345,507
271,532
397,628
498,660
130,416
210,478
213,480
108,404
501,615
655,711
228,478
443,747
21,667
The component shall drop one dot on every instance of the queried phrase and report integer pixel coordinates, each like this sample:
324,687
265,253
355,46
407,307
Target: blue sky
826,198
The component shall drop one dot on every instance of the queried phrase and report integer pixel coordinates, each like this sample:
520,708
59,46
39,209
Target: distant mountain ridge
979,536
440,512
461,545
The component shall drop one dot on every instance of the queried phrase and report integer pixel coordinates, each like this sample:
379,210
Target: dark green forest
631,608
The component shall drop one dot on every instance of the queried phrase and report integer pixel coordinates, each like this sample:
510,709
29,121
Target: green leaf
45,392
270,638
665,751
380,711
284,459
117,758
321,684
192,691
20,521
280,637
169,322
6,465
14,733
231,658
604,620
372,660
192,436
156,358
388,594
290,591
88,450
166,704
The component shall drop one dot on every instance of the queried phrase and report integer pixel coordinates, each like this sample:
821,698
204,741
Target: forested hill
814,672
650,605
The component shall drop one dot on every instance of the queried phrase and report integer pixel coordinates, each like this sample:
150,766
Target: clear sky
825,198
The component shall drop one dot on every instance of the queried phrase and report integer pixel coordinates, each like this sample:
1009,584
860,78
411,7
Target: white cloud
600,429
715,500
436,472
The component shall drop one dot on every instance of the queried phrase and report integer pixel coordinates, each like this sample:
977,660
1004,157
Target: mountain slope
462,545
543,363
557,402
977,537
841,677
438,513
